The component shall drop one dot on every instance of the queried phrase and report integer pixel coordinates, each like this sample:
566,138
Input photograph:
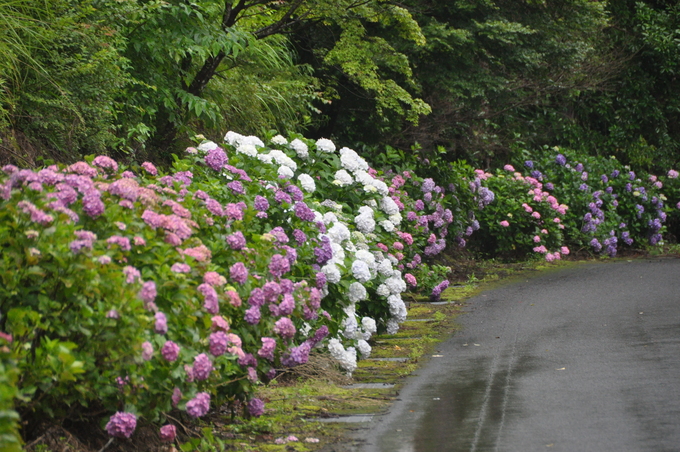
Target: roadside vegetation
164,285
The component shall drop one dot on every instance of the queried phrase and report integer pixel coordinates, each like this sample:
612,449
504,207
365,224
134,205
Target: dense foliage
469,79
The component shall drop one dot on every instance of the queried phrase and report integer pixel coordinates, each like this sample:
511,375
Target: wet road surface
577,360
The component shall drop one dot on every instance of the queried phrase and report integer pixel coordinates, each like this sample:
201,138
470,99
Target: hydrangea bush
597,204
148,292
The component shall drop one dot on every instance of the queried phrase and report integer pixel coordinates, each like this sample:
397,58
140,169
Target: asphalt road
578,360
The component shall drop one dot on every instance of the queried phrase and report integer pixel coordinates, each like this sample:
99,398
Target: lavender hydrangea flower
121,425
284,327
255,407
236,187
268,347
148,293
303,212
236,241
210,301
170,351
202,367
252,315
239,272
279,265
161,325
199,405
216,158
561,160
218,343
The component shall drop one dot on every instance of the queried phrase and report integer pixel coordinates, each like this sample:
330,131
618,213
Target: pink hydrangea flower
170,351
199,405
147,351
121,425
504,223
150,168
168,433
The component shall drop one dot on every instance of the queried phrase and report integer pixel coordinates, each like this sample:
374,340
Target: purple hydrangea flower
210,301
257,297
279,234
121,425
218,343
284,327
202,367
255,407
295,192
561,160
148,293
239,272
199,405
324,252
236,187
268,347
428,185
303,212
261,203
236,241
216,158
297,355
300,236
252,315
279,265
170,351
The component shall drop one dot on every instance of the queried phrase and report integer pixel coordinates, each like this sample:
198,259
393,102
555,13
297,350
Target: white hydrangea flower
279,140
307,183
338,233
365,223
342,178
383,290
372,202
364,348
388,205
329,217
346,358
396,285
392,259
357,292
281,158
367,257
332,273
338,254
266,158
305,329
233,138
351,161
370,189
250,140
387,225
207,146
286,172
366,210
361,271
349,326
363,177
325,145
318,216
395,218
247,149
381,187
385,267
369,325
300,148
392,326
